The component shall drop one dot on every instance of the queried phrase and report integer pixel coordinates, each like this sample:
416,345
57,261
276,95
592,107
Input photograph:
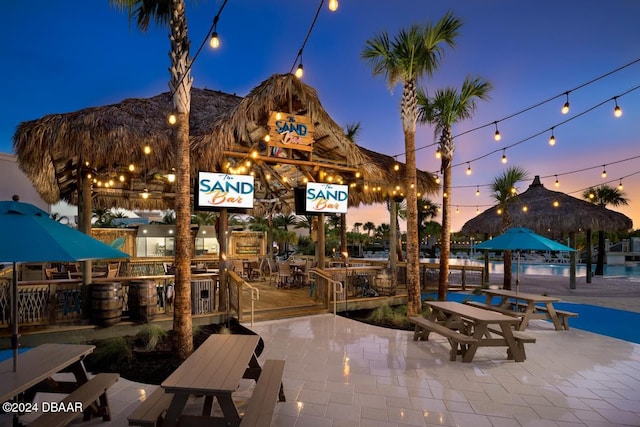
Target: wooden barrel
143,300
106,303
383,284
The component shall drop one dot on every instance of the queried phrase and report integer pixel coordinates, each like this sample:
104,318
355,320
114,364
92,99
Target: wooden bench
521,340
262,402
92,395
425,326
151,412
562,315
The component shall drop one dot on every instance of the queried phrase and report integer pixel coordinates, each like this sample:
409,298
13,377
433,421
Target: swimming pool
630,269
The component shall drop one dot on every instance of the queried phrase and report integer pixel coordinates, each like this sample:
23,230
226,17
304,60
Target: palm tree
169,217
284,221
412,54
306,222
446,108
204,218
602,196
172,12
369,227
104,217
503,191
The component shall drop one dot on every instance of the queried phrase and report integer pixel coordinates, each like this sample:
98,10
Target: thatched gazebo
550,213
58,151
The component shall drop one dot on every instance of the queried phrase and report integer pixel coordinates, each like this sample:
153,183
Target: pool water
630,269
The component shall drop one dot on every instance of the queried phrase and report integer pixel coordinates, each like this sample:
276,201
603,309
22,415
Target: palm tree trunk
445,236
409,113
180,85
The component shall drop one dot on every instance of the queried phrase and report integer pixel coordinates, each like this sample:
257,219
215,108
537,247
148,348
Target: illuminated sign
326,198
290,131
219,190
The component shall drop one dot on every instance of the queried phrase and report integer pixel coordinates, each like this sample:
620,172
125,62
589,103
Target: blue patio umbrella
30,235
522,239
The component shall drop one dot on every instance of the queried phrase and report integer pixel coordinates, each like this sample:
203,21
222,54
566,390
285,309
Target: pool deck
340,372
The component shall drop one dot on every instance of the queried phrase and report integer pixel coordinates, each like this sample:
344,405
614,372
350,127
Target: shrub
149,336
114,351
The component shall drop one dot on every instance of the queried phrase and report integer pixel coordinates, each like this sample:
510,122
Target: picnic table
36,368
527,305
470,328
214,370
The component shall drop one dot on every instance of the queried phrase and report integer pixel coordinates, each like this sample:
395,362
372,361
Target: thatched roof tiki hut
59,152
551,213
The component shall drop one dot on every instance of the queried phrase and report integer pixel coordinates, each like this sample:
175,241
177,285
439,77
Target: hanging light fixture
552,139
172,119
468,168
497,135
300,70
604,171
557,183
504,156
565,107
617,111
333,5
620,187
478,190
438,153
215,40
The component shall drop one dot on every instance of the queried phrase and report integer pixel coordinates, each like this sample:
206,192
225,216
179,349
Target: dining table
488,328
525,304
214,371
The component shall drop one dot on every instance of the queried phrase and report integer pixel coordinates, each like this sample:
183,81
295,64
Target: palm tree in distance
412,54
503,191
602,196
446,108
172,12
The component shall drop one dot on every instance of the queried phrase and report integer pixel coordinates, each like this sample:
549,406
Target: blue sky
65,56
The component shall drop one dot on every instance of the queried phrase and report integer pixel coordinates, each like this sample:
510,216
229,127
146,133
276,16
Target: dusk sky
64,56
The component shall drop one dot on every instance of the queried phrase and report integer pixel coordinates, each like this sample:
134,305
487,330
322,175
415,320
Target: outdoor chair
285,275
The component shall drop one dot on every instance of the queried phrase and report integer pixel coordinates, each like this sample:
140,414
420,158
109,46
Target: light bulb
396,167
147,149
122,178
620,187
557,183
172,119
504,158
604,172
131,167
617,111
497,135
438,154
565,107
171,177
145,194
468,169
525,208
333,5
478,191
437,180
299,71
215,41
552,139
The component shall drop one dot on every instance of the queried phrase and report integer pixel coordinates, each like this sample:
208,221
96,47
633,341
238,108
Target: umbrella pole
518,273
14,318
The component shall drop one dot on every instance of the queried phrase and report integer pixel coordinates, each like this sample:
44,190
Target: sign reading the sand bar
290,131
327,198
219,190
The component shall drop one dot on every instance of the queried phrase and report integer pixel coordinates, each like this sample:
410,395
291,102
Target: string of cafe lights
565,108
333,6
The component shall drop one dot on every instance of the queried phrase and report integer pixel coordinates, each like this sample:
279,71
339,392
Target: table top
38,364
476,314
519,295
216,367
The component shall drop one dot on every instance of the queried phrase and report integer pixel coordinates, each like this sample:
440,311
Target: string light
617,111
468,168
556,203
525,208
215,40
504,155
565,107
333,5
299,71
478,190
557,183
438,153
620,187
497,135
552,139
604,171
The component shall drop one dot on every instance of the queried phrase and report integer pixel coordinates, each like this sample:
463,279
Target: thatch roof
543,217
224,129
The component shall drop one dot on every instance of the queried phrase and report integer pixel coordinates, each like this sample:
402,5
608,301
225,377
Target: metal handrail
336,284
